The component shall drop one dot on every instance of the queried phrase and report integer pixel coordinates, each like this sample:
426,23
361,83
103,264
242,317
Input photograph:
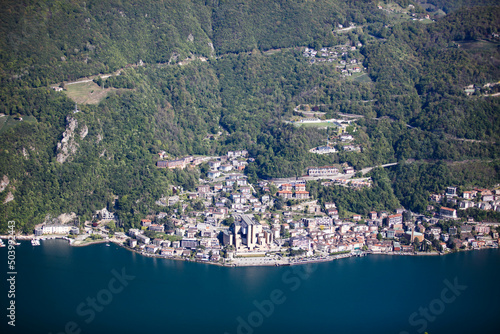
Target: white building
323,171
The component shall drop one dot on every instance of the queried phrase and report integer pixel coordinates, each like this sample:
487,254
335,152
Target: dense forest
244,77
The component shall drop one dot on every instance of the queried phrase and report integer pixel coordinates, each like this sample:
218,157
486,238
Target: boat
1,243
35,242
107,245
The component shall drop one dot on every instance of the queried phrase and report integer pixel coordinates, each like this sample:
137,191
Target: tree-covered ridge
47,42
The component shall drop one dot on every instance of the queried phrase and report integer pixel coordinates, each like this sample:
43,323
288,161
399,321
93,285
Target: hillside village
346,58
230,221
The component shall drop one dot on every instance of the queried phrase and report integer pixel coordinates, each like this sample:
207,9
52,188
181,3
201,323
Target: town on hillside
229,221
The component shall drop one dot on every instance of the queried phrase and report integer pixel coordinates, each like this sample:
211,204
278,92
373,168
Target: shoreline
275,263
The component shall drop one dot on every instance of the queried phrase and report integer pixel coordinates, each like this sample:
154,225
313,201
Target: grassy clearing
473,46
271,52
362,78
7,122
87,92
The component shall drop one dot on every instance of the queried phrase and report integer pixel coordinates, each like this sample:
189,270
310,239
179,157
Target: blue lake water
99,289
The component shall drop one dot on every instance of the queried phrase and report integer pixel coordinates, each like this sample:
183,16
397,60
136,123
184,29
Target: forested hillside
245,75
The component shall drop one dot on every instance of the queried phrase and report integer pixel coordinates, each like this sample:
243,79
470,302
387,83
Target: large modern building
246,233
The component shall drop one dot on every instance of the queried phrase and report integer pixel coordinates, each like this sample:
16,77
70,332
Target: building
247,233
349,170
156,228
451,191
145,222
213,175
104,214
447,212
394,219
190,243
412,235
286,194
301,242
142,238
179,163
323,171
56,229
302,194
391,234
38,231
300,187
324,150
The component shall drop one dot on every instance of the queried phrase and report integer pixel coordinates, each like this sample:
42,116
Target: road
368,169
89,80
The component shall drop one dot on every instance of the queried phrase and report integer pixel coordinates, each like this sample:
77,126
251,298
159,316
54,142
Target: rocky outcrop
84,132
4,183
10,197
67,146
67,217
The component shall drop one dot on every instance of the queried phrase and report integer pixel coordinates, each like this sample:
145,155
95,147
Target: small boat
35,242
107,245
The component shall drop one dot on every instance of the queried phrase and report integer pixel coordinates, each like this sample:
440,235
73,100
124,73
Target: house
286,186
156,228
394,219
396,246
302,194
451,191
469,194
346,137
330,206
349,170
145,222
213,174
203,189
214,164
285,194
225,168
104,214
465,204
167,251
151,249
447,212
300,187
142,238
